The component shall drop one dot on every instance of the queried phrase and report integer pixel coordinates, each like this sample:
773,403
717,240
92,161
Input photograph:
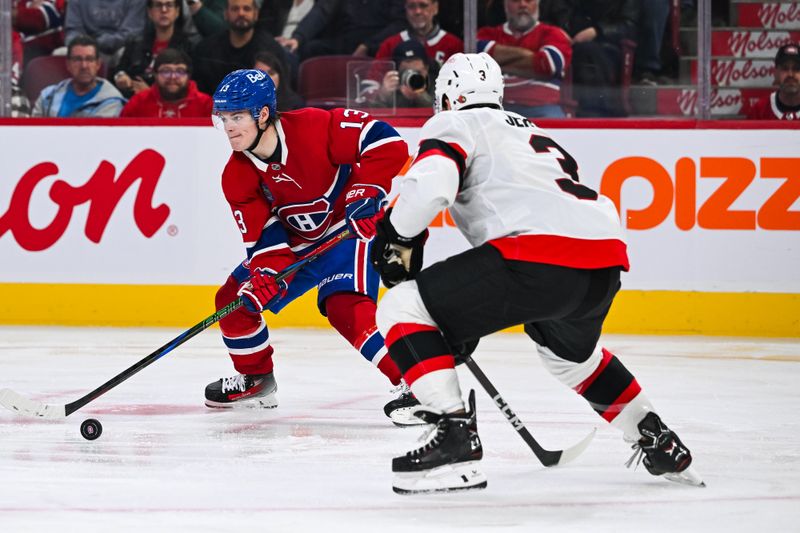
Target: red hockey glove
261,290
363,209
396,258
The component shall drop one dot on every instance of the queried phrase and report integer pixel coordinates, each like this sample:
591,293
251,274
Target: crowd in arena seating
163,58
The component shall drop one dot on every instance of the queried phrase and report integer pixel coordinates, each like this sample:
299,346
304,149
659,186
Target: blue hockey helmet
249,89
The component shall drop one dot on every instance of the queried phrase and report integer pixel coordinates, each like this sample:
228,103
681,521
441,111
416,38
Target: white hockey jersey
508,183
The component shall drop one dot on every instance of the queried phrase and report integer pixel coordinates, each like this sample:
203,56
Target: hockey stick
546,457
24,406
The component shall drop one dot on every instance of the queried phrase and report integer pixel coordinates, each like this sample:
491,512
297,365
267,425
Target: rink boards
113,225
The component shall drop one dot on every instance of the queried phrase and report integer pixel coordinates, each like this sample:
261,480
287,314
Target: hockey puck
91,429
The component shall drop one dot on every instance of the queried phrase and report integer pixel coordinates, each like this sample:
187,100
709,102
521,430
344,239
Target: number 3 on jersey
240,221
541,145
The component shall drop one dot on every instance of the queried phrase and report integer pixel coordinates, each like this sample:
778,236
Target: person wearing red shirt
174,94
533,57
783,104
439,44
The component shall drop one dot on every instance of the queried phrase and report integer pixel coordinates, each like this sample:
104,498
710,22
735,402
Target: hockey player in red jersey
547,253
294,181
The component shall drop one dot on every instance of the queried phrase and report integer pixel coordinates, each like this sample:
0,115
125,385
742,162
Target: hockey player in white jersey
547,253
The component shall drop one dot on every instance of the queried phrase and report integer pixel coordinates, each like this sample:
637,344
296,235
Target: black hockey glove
396,258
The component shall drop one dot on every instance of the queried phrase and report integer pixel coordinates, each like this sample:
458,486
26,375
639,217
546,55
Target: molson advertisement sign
769,15
128,225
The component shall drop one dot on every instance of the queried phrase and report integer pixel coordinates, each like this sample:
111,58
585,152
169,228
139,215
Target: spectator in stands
411,85
533,57
110,22
233,49
83,94
490,13
40,22
420,15
164,29
20,105
281,17
274,67
346,27
208,17
784,103
174,94
599,29
653,16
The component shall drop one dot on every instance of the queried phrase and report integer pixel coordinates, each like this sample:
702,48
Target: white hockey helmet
469,79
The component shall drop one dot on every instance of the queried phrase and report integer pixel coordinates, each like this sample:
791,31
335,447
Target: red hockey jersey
767,108
439,46
289,204
552,55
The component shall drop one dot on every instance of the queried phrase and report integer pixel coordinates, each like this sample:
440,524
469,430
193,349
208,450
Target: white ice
321,460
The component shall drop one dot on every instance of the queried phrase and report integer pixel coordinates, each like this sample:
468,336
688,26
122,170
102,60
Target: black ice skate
253,391
401,409
663,453
449,459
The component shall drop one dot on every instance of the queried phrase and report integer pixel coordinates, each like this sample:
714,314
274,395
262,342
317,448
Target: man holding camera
409,85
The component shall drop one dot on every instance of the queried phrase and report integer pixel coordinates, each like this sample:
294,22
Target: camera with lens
149,77
414,80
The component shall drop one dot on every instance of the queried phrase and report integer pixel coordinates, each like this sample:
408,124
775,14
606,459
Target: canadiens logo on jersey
309,220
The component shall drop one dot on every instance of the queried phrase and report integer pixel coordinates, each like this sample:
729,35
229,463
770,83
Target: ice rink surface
321,460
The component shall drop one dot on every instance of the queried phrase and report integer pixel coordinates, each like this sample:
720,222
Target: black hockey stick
24,406
546,457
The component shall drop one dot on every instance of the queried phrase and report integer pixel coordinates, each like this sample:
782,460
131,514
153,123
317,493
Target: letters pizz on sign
102,192
715,213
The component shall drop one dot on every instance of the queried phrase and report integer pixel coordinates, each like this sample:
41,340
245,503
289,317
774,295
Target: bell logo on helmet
246,89
255,76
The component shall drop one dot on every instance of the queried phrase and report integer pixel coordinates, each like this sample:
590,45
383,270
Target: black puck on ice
91,429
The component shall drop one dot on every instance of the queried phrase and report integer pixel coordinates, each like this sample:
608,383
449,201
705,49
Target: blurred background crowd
560,58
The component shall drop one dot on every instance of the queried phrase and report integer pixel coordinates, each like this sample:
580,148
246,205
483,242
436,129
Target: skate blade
687,477
405,417
269,401
446,478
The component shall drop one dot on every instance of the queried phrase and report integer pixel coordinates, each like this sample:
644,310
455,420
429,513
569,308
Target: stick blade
571,453
22,405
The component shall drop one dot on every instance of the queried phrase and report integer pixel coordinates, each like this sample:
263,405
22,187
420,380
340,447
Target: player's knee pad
402,305
240,322
227,293
567,372
350,311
